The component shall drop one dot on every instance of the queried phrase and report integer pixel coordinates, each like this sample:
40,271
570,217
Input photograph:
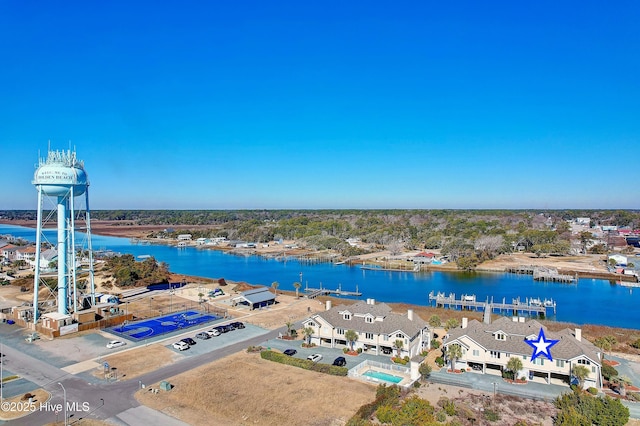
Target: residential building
487,348
377,328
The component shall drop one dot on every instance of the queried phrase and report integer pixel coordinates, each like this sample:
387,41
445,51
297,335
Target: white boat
535,302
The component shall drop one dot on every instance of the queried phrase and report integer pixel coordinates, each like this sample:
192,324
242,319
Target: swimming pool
382,376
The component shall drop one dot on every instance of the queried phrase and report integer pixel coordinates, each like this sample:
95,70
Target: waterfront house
377,328
184,237
619,259
487,348
28,254
424,257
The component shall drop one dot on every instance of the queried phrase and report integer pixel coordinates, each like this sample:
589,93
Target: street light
64,393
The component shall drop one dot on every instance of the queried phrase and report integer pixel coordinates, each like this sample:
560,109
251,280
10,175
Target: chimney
520,319
514,319
328,305
579,334
373,301
410,314
464,322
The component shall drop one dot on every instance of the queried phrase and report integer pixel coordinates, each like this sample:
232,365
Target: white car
314,357
181,346
115,344
213,333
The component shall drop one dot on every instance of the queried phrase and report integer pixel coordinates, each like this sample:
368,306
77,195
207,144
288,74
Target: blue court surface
156,326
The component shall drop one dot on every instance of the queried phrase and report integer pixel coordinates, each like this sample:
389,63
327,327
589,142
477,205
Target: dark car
237,325
189,341
222,328
386,351
290,352
340,361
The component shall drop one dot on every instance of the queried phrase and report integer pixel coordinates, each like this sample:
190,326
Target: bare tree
395,247
489,245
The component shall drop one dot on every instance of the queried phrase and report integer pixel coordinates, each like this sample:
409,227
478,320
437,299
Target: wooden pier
541,273
469,302
312,293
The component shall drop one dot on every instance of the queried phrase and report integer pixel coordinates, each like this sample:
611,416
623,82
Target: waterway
590,301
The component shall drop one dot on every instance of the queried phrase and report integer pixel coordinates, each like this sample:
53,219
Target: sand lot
244,389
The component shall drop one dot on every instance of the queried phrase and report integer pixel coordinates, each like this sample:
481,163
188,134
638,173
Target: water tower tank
60,172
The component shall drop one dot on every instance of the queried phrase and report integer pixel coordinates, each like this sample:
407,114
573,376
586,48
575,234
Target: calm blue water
588,302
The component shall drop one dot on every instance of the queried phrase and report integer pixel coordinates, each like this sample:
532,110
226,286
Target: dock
312,293
541,273
469,302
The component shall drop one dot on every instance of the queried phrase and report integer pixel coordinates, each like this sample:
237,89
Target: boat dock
312,293
541,273
469,302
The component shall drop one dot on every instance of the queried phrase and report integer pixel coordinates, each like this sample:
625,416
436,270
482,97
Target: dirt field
243,389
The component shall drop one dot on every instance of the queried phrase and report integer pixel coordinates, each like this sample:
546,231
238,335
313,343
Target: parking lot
216,342
328,354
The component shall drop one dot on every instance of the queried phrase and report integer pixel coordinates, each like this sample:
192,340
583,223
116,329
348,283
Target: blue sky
363,104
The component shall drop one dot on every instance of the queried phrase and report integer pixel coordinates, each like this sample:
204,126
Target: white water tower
60,179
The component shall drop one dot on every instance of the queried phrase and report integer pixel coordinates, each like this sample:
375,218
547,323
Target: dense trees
127,272
580,408
466,236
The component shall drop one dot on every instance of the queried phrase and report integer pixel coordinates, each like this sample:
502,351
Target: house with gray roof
487,348
377,327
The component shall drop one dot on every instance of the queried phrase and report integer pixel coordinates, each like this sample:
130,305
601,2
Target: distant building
584,221
184,237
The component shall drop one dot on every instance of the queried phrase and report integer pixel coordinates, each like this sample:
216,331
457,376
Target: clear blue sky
345,104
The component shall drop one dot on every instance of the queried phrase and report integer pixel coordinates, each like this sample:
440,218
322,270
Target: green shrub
435,344
492,416
448,406
441,416
345,350
406,359
592,391
440,361
359,350
386,414
636,344
582,408
425,370
303,363
608,371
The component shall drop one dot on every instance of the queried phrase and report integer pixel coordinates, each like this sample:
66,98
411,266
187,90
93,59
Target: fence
368,364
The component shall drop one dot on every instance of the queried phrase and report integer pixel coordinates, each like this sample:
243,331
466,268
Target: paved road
112,401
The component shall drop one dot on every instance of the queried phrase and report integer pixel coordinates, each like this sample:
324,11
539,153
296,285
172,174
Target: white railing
366,365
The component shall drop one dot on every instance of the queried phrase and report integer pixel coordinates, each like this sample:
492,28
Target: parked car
115,344
189,341
340,361
222,328
181,346
314,357
237,324
290,352
213,332
387,351
203,335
